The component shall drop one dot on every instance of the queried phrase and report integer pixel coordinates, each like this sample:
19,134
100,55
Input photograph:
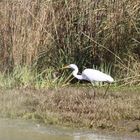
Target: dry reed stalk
58,32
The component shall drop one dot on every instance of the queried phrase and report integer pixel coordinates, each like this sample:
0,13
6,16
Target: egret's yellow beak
65,67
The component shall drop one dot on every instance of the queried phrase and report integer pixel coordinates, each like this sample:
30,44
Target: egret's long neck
75,74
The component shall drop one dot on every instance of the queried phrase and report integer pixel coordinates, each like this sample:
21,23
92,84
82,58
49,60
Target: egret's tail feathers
110,79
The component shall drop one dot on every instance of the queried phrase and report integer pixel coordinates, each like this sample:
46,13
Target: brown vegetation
50,33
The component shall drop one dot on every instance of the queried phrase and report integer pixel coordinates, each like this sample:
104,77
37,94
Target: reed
51,33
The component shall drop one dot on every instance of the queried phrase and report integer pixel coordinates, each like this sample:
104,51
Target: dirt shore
118,112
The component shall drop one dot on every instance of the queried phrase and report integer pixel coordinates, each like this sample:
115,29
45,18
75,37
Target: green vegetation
25,77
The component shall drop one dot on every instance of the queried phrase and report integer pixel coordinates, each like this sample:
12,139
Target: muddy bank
118,112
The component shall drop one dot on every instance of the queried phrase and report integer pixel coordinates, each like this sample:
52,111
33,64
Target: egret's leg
87,92
93,89
106,90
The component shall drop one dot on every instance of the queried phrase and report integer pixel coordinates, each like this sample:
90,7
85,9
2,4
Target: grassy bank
75,107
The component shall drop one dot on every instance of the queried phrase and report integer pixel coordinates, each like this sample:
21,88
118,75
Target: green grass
30,77
27,77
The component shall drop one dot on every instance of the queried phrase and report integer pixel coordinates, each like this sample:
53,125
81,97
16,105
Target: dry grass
74,107
51,33
131,72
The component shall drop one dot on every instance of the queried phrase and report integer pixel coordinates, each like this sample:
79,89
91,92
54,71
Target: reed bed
44,34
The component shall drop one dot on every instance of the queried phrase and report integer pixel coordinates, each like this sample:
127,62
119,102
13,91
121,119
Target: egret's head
71,66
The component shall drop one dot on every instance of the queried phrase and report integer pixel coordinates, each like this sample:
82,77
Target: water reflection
25,130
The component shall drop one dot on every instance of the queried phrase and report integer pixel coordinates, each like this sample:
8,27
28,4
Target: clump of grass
131,72
26,77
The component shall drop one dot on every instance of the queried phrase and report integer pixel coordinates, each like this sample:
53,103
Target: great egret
91,75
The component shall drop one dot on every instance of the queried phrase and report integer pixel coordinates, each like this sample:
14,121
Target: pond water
26,130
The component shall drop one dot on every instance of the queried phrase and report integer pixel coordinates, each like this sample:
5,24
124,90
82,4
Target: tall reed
46,33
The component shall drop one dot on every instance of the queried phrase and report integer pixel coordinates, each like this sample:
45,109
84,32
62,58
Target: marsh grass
26,77
131,72
74,107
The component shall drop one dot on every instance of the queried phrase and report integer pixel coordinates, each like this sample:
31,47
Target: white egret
91,75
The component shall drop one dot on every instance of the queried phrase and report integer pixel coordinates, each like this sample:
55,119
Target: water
25,130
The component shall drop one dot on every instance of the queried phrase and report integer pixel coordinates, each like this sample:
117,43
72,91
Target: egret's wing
95,75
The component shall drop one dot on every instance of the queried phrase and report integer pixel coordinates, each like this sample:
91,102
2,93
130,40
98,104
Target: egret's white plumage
95,75
91,75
